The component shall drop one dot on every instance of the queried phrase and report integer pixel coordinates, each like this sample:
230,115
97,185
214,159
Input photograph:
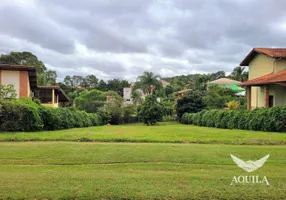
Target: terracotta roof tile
279,77
271,52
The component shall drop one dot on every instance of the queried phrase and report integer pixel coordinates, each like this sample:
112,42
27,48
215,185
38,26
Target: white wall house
127,95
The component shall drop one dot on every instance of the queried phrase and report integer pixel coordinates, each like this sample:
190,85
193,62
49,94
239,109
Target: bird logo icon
250,165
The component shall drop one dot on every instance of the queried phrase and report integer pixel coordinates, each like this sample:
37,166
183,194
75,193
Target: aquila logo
249,166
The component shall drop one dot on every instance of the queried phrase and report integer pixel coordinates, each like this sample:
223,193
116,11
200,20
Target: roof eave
248,58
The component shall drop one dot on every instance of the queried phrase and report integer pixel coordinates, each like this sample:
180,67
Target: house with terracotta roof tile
229,83
24,80
266,85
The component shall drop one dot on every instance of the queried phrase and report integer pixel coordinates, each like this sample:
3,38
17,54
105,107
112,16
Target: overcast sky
123,38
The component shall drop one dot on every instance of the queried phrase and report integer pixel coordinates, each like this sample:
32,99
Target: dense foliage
90,82
108,104
191,102
7,92
114,107
26,115
151,111
199,81
217,96
262,119
90,101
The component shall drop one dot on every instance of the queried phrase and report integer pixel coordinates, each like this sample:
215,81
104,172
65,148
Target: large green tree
102,86
90,101
23,58
117,85
148,83
91,81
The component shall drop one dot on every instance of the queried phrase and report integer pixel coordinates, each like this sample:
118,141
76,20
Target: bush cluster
26,115
262,119
151,111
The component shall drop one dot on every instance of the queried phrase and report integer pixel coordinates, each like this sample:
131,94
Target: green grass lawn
51,165
80,170
165,132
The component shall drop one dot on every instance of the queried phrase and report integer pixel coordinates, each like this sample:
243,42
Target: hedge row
262,119
26,115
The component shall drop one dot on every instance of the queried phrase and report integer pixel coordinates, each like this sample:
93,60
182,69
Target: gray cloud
33,26
112,38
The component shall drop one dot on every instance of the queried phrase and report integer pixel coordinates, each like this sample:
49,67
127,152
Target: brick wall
23,84
248,93
266,96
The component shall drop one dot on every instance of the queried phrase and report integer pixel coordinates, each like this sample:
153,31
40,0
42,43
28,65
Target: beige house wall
279,94
55,101
257,97
11,77
280,64
260,65
55,105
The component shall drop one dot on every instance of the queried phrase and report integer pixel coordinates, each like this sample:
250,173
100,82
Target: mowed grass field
168,161
80,170
164,133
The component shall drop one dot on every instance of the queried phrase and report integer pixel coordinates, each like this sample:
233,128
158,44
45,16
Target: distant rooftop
224,81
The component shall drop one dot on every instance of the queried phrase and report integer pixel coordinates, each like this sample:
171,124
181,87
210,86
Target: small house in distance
229,83
182,93
24,81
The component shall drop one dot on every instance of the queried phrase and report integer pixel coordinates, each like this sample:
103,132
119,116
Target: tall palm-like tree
239,74
148,82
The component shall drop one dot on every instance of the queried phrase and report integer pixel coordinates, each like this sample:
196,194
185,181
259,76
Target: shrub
7,92
217,96
262,119
192,102
151,111
26,115
232,105
128,111
184,119
19,117
90,101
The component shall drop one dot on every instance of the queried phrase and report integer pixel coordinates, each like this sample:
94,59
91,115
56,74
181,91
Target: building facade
266,85
24,81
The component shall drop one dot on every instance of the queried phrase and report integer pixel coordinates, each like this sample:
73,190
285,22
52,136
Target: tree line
93,95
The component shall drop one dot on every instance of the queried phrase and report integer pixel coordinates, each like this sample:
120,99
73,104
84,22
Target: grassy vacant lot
165,132
71,170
